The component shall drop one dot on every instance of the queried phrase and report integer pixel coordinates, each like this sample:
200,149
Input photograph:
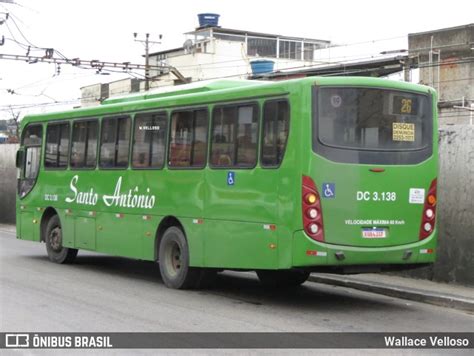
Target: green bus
282,178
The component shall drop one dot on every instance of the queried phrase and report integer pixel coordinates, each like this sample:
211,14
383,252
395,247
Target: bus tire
57,253
174,261
282,278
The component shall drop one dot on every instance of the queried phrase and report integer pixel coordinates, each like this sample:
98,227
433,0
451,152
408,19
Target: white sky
103,30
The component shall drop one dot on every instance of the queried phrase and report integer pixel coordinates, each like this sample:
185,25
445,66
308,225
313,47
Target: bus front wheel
282,278
54,243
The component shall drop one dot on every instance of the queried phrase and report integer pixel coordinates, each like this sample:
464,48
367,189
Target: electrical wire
31,46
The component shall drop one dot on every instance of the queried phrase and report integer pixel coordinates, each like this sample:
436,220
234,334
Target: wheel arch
48,214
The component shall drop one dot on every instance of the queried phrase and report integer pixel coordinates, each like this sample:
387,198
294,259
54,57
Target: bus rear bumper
310,253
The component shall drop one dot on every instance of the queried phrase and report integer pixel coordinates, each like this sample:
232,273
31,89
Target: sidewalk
443,294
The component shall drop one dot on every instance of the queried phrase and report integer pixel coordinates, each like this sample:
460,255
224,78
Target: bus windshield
372,119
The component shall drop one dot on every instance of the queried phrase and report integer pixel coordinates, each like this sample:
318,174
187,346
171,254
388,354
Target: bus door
28,165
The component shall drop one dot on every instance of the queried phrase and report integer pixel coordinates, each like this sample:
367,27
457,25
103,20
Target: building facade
215,52
446,62
212,52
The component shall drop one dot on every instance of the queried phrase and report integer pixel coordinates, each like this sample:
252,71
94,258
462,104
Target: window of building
234,136
114,142
84,144
149,140
309,49
262,47
276,125
229,37
188,139
57,145
290,50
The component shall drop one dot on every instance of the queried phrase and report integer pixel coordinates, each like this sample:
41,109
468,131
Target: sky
103,30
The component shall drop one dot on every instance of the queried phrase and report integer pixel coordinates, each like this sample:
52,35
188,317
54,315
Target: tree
14,126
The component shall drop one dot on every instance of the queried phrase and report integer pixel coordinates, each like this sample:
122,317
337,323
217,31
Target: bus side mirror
19,158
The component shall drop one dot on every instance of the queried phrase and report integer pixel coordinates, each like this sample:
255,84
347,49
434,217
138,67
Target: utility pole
147,42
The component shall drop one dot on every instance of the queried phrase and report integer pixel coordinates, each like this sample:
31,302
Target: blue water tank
208,20
262,66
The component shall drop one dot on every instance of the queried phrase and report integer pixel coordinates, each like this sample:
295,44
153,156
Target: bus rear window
372,120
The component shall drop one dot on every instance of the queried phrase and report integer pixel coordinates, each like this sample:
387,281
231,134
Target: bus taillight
311,210
428,219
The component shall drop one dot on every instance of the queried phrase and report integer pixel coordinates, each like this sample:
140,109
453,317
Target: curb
418,295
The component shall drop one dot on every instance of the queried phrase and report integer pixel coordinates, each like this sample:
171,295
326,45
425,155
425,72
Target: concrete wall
455,210
455,213
92,95
7,183
456,116
456,207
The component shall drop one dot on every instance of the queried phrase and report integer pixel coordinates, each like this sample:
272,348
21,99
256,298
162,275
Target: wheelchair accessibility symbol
230,178
329,190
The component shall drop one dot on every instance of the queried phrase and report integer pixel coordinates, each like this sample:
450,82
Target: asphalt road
102,293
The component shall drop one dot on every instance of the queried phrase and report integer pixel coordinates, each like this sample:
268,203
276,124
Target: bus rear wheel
174,263
54,243
282,278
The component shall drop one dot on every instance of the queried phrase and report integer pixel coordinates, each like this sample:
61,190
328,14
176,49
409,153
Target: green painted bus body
255,223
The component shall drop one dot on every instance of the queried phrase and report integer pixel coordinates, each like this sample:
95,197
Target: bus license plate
374,233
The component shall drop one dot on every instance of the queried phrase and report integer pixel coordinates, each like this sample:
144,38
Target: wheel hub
173,258
55,238
176,258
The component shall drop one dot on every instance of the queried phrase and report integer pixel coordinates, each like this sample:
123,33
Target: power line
93,64
368,41
355,71
99,66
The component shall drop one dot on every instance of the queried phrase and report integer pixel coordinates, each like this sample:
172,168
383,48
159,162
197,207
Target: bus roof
196,87
218,90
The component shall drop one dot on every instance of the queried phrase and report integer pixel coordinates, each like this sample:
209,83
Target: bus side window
114,142
276,125
149,141
188,141
32,135
84,144
234,136
57,145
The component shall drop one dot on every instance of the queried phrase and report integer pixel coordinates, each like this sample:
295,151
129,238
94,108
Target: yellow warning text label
403,131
